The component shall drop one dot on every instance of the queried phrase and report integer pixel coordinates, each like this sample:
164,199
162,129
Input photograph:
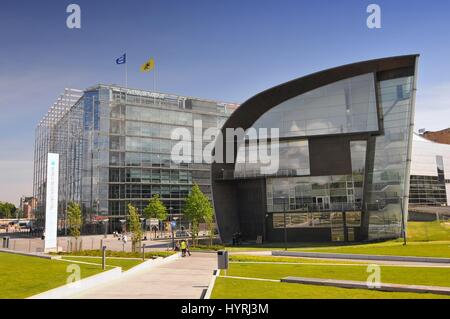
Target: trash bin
222,259
5,242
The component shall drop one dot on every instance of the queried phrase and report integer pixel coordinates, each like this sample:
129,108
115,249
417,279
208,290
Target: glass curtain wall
384,197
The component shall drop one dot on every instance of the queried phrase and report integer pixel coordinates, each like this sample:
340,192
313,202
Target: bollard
104,257
29,245
143,252
5,242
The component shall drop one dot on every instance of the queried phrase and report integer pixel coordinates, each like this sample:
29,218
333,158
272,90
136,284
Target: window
345,106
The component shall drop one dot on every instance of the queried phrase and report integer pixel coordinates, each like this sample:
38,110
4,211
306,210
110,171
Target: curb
363,285
146,265
22,253
362,257
207,295
80,286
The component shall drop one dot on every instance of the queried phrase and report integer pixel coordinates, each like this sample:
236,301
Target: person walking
187,248
183,247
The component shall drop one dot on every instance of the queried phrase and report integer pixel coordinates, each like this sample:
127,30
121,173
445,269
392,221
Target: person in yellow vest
183,247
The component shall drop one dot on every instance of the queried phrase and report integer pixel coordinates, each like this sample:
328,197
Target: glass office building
430,173
115,144
345,139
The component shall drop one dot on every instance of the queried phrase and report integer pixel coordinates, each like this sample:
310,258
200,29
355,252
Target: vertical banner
51,204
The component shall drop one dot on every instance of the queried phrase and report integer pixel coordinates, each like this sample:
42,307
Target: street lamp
123,225
143,227
172,226
284,221
105,221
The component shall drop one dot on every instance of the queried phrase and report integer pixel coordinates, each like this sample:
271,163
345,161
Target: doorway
322,202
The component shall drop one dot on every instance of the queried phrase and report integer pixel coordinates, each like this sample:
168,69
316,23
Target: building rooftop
442,137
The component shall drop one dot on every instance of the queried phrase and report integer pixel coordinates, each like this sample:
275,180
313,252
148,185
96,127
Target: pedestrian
187,248
183,247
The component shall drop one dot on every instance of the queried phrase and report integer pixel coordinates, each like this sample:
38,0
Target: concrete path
183,278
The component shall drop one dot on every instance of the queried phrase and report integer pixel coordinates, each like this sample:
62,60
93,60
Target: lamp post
105,221
171,226
403,222
284,222
143,227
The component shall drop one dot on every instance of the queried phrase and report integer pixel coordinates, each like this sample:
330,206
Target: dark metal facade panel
330,156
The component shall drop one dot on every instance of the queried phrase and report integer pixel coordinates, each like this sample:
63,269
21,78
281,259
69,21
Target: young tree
210,224
7,210
155,209
134,223
75,220
197,210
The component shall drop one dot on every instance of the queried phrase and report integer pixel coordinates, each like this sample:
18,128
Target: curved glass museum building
345,139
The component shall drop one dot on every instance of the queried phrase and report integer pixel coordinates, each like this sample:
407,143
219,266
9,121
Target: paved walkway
183,278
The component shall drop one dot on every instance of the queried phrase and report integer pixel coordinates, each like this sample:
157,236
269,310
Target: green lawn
421,249
428,231
428,239
23,276
425,239
393,247
110,261
298,260
389,274
121,254
228,288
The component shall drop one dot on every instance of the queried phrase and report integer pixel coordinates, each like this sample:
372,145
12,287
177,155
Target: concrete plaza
183,278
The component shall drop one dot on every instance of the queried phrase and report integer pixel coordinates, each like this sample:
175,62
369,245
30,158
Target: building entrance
322,202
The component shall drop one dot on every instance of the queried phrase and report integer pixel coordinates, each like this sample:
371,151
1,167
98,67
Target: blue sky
225,50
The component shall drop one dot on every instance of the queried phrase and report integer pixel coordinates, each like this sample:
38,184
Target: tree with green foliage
134,223
75,220
7,210
156,209
198,209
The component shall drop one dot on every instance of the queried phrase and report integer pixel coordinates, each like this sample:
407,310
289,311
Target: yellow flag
148,66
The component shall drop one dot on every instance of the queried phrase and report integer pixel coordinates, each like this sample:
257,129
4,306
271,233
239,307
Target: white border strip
211,284
80,286
148,264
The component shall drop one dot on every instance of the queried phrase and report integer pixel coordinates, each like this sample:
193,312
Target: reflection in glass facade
387,187
124,145
346,106
60,131
430,173
293,159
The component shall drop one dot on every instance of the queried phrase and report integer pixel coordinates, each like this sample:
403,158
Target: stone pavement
183,278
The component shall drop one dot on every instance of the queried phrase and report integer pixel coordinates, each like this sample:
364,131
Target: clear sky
220,49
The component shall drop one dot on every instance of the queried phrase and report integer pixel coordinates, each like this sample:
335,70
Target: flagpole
154,85
126,73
